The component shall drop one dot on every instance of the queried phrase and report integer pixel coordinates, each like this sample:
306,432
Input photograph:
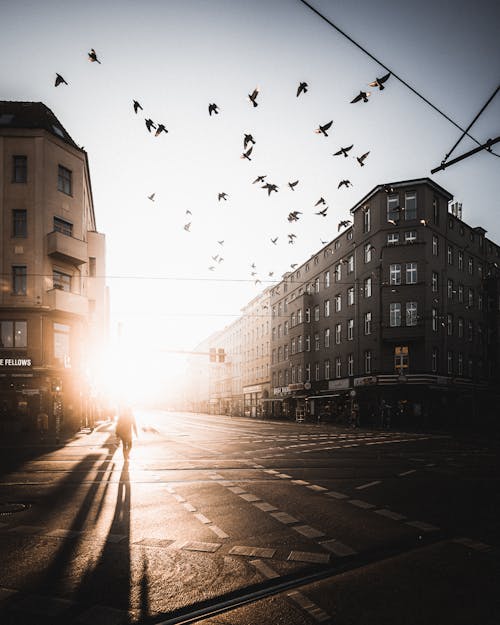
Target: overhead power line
401,80
485,146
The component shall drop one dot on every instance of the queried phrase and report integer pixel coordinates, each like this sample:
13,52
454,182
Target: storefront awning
273,399
322,396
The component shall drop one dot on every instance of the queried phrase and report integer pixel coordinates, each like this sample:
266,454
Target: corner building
53,298
399,313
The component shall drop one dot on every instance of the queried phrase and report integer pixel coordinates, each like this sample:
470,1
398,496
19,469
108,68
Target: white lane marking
200,546
270,471
265,507
202,518
263,568
217,530
368,485
249,497
395,516
425,527
5,593
306,604
237,490
284,476
317,488
335,495
407,472
283,517
300,482
179,498
189,507
361,504
473,544
308,556
338,548
308,531
260,552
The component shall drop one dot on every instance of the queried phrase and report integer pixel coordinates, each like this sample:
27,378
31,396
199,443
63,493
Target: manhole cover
11,507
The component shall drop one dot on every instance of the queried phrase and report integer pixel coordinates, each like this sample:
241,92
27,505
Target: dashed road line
306,604
217,531
425,527
263,568
338,548
368,485
315,487
407,472
308,531
395,516
361,504
285,518
202,518
201,546
265,507
309,556
473,544
335,495
260,552
249,497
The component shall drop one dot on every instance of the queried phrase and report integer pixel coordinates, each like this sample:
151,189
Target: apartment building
400,311
53,298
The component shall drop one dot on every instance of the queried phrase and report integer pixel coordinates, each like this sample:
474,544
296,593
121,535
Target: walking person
42,422
124,427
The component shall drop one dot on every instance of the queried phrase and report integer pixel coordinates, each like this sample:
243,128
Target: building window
434,359
368,323
316,342
13,334
350,264
460,364
393,238
411,273
338,367
273,333
480,302
327,308
435,245
401,359
450,290
64,180
350,296
338,272
410,205
273,356
434,318
460,328
308,315
61,343
293,320
299,315
449,361
350,364
316,371
327,369
338,333
279,331
280,354
435,281
450,254
411,313
287,375
394,315
460,260
61,281
316,285
19,277
350,329
395,274
327,279
470,331
299,343
461,293
368,287
316,313
92,266
308,372
19,168
410,236
470,298
293,346
449,324
285,328
19,223
470,265
368,361
470,368
338,302
366,219
368,250
308,343
285,352
435,211
294,379
393,207
327,337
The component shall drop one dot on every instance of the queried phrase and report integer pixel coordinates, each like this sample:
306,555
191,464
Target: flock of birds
248,145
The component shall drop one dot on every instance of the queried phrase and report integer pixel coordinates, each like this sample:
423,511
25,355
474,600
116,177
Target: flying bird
247,153
161,128
187,226
149,124
59,80
253,266
220,242
222,196
362,95
211,268
291,238
274,241
345,183
137,106
253,273
258,281
343,151
343,224
292,185
93,57
216,257
362,158
270,187
246,140
320,201
151,197
293,265
379,82
213,108
259,179
294,216
188,212
220,259
253,96
270,274
302,88
322,212
322,129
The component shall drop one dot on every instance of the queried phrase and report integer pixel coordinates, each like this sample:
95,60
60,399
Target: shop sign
30,391
307,386
299,386
15,362
365,381
281,390
334,385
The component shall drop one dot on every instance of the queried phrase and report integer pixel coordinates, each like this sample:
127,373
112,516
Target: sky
177,56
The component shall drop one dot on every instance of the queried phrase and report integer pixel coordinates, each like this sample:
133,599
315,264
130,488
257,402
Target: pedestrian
42,423
124,427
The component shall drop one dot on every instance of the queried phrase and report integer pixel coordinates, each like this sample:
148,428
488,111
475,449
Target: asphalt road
238,521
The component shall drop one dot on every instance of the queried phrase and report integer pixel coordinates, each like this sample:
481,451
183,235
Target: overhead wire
401,80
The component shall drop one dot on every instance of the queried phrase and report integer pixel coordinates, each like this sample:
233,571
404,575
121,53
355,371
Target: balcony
66,248
67,302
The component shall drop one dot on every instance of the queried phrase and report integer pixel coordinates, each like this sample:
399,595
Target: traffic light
221,356
213,354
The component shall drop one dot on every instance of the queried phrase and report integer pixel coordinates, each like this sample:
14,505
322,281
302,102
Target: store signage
334,385
15,362
296,387
369,379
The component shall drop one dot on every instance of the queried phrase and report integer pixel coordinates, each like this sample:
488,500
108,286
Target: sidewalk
33,438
